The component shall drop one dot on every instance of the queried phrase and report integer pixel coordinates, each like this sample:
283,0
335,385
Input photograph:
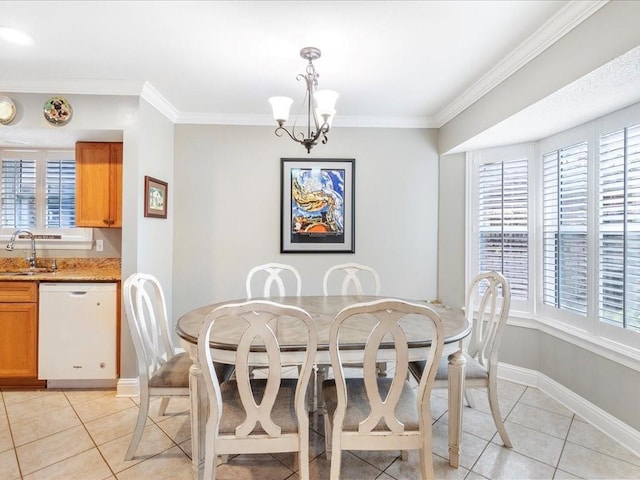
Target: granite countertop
69,270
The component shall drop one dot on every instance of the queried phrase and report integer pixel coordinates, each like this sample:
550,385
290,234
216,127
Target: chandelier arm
279,131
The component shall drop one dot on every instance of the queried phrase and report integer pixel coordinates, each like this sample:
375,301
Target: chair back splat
256,415
275,275
352,275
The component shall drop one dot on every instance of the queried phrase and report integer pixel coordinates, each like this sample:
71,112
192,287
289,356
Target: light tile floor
83,435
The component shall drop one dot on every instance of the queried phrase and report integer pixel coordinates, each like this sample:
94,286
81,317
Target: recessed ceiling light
12,35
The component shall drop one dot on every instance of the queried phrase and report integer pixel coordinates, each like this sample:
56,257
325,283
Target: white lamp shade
281,106
326,102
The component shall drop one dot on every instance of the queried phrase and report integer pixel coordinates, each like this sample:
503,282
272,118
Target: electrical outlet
99,245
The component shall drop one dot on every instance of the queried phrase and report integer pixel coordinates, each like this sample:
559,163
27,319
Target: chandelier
320,106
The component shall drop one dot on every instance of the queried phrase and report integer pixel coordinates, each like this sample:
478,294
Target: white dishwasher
77,331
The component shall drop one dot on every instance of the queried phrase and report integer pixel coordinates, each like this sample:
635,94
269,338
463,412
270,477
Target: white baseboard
603,421
128,387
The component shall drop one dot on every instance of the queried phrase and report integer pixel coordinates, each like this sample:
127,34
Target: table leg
321,376
199,412
456,397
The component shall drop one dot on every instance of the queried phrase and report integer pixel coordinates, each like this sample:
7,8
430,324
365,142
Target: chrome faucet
12,240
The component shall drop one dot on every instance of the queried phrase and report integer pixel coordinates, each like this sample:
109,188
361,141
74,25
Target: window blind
619,228
60,194
502,222
18,193
564,228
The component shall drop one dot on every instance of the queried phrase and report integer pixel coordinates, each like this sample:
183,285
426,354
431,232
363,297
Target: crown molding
384,122
75,87
340,121
155,98
200,118
555,28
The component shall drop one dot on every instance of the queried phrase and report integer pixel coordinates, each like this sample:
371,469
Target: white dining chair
274,274
374,413
249,415
163,370
351,278
487,309
356,279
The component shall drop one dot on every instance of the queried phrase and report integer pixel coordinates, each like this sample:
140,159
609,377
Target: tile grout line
564,444
13,442
113,474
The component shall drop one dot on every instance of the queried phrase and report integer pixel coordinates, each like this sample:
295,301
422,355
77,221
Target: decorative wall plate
7,110
57,110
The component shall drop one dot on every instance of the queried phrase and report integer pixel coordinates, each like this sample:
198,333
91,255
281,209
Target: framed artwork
317,206
155,198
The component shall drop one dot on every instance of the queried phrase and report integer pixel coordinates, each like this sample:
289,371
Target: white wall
451,231
146,242
227,209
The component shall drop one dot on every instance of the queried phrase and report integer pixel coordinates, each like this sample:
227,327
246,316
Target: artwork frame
317,205
155,197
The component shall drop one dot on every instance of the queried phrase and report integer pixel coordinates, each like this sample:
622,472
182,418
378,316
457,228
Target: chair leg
303,460
140,423
382,369
327,434
426,464
497,418
164,403
404,455
469,398
321,375
336,458
312,397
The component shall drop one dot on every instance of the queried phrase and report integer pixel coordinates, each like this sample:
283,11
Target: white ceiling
394,63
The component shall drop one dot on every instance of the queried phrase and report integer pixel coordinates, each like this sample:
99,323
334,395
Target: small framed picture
155,197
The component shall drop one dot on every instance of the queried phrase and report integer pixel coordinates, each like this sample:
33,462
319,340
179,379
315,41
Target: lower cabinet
18,330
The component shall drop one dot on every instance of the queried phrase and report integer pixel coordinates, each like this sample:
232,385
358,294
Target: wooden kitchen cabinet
18,332
99,184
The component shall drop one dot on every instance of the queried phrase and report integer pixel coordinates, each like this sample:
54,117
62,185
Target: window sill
83,240
614,351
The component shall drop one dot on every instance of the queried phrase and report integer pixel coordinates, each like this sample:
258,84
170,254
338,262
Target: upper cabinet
99,184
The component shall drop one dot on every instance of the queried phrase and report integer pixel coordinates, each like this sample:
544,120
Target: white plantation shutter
564,228
61,194
18,193
502,222
619,228
38,194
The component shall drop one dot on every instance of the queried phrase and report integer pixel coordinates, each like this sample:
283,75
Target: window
619,228
38,194
564,228
577,257
502,222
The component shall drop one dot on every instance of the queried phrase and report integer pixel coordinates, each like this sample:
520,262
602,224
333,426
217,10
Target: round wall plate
7,110
57,110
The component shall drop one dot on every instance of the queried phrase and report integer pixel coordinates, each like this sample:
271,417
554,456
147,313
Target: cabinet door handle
105,221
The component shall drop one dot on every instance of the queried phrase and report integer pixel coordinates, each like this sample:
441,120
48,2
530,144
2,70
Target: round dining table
322,309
